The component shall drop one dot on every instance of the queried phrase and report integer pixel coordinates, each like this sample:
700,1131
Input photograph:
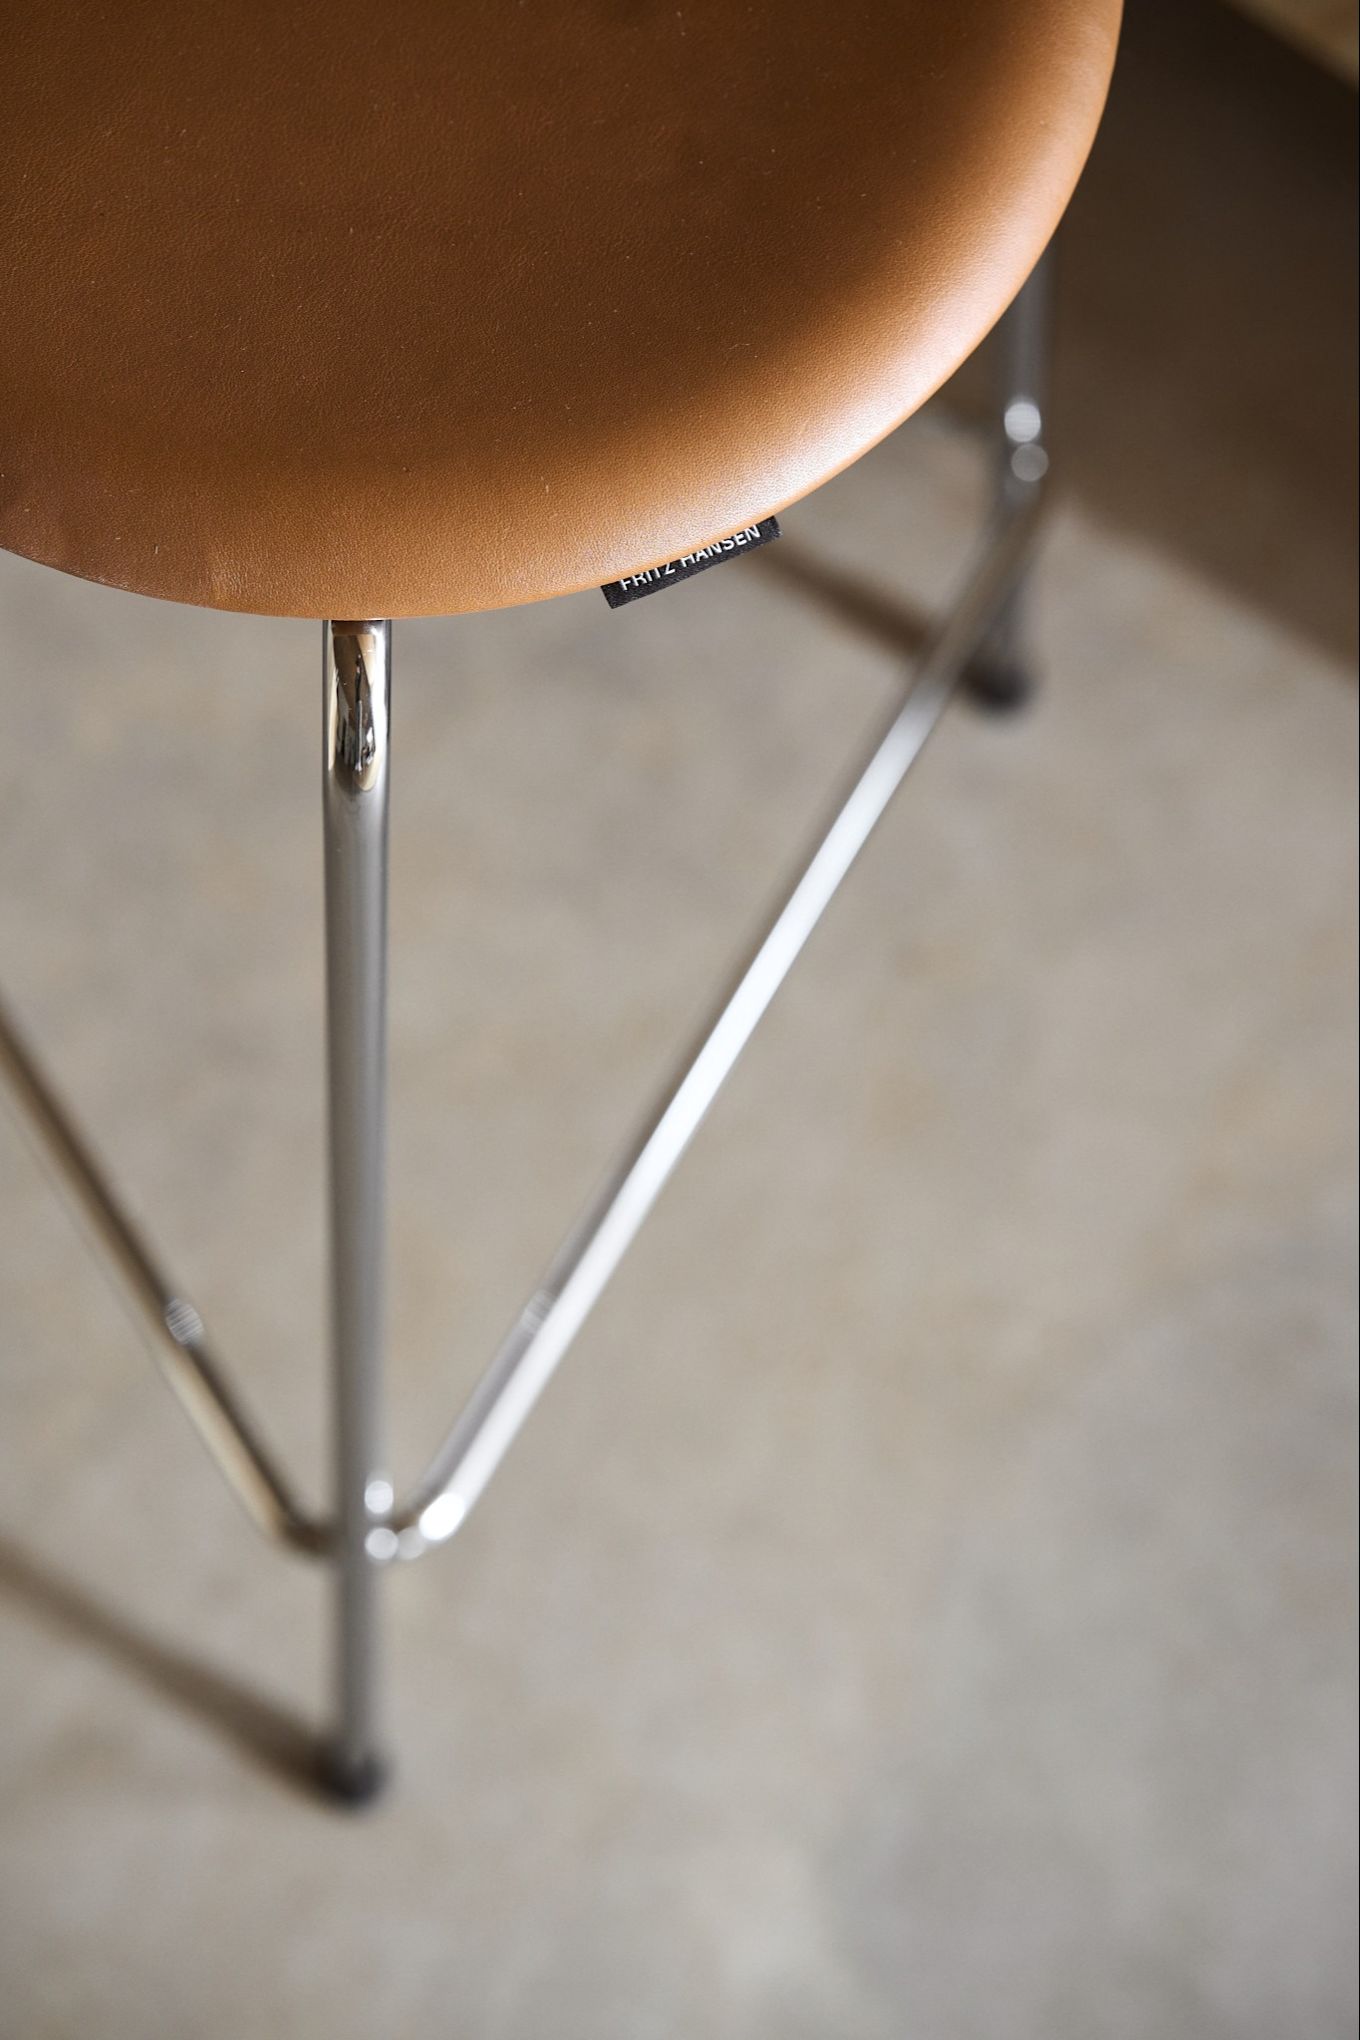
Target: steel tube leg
1000,676
356,684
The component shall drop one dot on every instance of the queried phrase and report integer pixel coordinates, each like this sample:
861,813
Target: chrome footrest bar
575,1280
181,1345
558,1308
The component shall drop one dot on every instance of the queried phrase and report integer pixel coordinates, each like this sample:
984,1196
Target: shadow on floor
884,619
269,1735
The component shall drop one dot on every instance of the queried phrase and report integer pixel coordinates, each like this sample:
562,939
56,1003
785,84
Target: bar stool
358,313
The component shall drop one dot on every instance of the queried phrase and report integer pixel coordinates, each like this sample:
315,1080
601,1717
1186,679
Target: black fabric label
634,586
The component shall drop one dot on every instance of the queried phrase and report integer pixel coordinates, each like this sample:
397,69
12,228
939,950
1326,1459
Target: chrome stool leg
356,698
1000,677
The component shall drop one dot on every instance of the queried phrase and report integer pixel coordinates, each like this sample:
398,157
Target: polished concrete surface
920,1606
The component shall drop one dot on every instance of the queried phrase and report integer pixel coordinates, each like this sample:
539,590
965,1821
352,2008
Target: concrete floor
921,1606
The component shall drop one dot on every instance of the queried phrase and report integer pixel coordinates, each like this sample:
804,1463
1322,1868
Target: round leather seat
321,308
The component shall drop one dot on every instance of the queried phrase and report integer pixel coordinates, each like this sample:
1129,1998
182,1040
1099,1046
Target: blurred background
923,1605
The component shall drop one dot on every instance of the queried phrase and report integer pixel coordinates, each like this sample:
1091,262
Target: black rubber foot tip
999,686
349,1784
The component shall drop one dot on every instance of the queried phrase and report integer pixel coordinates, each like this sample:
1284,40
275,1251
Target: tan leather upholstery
330,308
